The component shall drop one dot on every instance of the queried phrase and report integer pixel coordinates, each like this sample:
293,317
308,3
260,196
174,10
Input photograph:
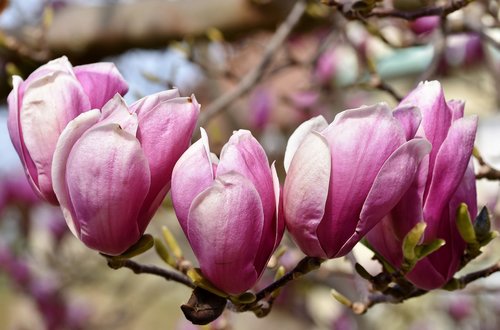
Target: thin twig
485,170
406,15
466,279
253,77
303,267
452,7
489,173
378,298
359,282
264,299
376,82
439,49
150,269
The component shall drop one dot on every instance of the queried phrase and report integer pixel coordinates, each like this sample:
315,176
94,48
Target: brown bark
89,33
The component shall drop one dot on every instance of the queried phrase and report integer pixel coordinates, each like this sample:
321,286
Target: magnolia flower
112,167
343,178
229,210
41,106
445,180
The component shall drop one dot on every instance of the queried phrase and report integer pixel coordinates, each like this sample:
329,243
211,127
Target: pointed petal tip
363,111
193,100
317,123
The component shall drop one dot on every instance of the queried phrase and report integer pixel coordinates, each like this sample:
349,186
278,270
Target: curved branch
88,33
378,298
138,268
486,171
407,15
256,74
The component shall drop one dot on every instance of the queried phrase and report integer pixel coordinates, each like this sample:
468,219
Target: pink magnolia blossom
326,66
42,105
445,179
343,178
261,104
229,210
463,49
425,24
112,167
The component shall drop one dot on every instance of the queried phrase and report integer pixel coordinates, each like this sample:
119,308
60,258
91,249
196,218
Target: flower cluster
372,173
106,164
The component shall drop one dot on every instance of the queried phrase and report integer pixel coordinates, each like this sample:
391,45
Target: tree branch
88,33
253,77
407,15
378,298
471,277
264,298
430,11
304,266
485,170
150,269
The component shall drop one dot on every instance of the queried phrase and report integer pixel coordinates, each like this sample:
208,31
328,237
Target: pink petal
191,175
13,119
314,124
451,163
100,81
425,276
393,180
165,133
224,228
15,133
116,111
457,109
60,64
387,236
107,178
69,136
243,154
410,118
466,191
150,102
384,239
280,219
436,116
447,259
272,235
305,193
49,103
360,141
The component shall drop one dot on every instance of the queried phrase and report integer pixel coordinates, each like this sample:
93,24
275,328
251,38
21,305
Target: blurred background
245,75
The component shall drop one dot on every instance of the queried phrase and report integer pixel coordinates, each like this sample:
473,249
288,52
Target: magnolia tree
400,180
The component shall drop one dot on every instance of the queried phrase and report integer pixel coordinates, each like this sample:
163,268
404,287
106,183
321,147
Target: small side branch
306,265
485,170
466,279
406,15
375,299
431,11
138,268
360,307
264,299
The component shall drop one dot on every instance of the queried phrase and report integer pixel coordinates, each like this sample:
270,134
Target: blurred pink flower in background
326,66
463,49
56,311
424,25
261,104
